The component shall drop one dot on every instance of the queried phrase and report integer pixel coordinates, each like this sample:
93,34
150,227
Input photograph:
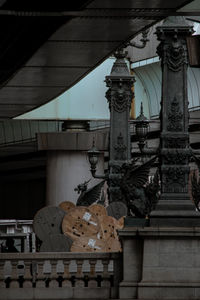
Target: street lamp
93,157
141,128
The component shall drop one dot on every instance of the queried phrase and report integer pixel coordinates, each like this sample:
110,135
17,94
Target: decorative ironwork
143,41
175,116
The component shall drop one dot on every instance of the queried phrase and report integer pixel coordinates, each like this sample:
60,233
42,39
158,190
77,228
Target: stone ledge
170,231
169,284
54,293
70,141
160,232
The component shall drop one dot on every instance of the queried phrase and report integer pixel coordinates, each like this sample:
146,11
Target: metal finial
141,117
93,142
141,109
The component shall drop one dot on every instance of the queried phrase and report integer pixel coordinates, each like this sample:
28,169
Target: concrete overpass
47,48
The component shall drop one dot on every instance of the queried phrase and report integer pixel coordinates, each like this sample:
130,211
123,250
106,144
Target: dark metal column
119,97
175,152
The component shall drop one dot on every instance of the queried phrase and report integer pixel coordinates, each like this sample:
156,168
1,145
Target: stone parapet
28,276
166,265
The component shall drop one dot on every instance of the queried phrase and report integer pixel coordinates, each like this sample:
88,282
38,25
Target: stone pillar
175,151
67,162
119,96
65,170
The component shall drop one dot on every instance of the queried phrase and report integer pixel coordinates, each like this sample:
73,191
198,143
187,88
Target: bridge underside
46,48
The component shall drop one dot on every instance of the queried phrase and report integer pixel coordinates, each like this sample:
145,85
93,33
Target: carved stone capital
119,95
173,49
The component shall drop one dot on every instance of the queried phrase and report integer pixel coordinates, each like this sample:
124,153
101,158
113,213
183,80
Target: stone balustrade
59,275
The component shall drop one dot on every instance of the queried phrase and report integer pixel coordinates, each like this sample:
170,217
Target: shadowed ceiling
48,46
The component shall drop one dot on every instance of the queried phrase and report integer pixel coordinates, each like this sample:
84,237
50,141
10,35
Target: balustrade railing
59,275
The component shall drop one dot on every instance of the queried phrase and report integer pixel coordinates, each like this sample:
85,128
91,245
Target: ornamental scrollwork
173,54
175,157
175,142
119,99
175,175
120,148
175,116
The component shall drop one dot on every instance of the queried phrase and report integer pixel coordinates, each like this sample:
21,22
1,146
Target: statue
89,196
140,194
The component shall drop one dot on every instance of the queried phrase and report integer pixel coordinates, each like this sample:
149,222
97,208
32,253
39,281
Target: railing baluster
60,272
53,282
79,276
34,272
66,275
40,276
47,272
27,275
86,271
106,276
64,270
92,276
14,276
7,273
73,271
20,272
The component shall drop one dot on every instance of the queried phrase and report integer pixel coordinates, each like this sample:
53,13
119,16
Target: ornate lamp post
174,140
175,206
119,96
93,156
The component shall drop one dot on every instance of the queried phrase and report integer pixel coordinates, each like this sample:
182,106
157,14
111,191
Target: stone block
166,292
152,246
91,293
128,290
166,274
151,260
132,259
174,245
176,259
